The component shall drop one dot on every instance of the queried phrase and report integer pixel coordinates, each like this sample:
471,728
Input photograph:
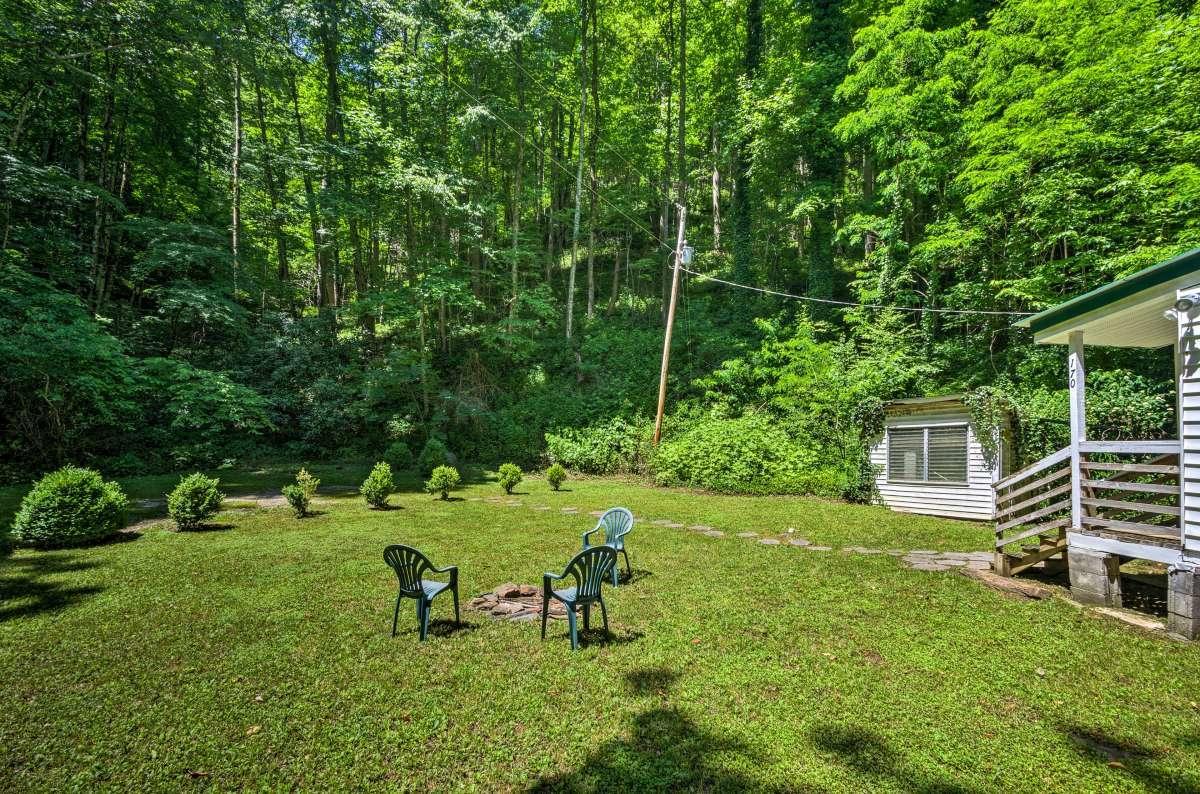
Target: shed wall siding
975,500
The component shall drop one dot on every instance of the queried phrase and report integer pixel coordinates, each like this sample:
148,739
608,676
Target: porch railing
1129,491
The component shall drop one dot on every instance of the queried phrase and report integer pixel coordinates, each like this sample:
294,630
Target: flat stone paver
747,534
541,507
661,522
700,527
769,541
596,513
673,525
819,548
799,542
714,533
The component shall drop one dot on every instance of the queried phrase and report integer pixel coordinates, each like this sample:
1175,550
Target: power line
852,304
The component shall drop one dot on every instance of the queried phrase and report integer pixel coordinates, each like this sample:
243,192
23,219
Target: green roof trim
1153,276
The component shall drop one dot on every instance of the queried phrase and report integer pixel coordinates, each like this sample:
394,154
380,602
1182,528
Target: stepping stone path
944,561
517,602
512,604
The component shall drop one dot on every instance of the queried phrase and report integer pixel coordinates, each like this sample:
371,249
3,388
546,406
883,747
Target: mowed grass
259,655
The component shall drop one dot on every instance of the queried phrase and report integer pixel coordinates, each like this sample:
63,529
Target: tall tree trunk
516,192
664,218
593,141
583,92
682,153
743,225
281,251
329,222
829,42
716,191
320,251
235,174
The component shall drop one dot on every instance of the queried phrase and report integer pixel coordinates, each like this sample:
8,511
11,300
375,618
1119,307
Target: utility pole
680,247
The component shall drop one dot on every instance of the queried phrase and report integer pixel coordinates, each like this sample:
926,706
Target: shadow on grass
386,508
25,591
1131,758
634,576
207,527
445,627
664,750
867,753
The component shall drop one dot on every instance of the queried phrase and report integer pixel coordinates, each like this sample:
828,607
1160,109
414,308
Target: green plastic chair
589,568
616,523
410,566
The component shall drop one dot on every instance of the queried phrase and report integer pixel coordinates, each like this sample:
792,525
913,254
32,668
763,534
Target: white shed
929,460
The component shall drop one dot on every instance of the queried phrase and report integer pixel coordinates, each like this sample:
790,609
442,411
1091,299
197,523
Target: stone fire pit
520,602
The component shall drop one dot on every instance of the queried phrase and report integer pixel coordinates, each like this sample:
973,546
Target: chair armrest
586,543
450,569
547,578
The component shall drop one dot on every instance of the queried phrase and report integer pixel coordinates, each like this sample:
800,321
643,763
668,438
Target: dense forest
237,229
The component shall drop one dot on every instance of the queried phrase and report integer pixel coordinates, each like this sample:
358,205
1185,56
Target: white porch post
1076,384
1183,577
1187,369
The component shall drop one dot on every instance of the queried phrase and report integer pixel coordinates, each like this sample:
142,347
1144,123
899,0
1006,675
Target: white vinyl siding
957,486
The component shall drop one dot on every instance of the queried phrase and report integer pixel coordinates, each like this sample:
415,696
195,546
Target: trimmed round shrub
433,455
69,507
556,475
399,456
196,499
443,480
510,476
378,486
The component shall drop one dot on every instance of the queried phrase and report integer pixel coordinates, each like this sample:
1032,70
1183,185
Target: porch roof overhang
1128,312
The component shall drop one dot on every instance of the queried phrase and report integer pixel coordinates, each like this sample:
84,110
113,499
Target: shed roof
1125,313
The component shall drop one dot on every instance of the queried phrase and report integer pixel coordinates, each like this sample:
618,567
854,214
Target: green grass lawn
258,656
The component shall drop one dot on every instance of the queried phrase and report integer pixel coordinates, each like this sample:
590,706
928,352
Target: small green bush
750,454
442,480
195,499
433,455
614,446
378,486
69,507
399,456
297,499
556,475
510,476
299,495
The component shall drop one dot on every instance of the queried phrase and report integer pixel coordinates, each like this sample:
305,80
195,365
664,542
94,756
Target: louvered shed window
928,454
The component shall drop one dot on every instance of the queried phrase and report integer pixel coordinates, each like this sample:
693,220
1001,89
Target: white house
930,460
1104,502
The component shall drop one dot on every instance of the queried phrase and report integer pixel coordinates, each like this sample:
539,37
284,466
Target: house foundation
1095,577
1183,601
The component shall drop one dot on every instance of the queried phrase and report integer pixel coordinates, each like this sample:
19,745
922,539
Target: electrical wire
852,304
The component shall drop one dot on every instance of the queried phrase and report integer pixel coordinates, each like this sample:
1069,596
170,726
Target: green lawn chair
616,523
410,566
589,568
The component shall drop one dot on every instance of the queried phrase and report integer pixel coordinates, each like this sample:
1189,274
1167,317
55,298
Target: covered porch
1096,503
